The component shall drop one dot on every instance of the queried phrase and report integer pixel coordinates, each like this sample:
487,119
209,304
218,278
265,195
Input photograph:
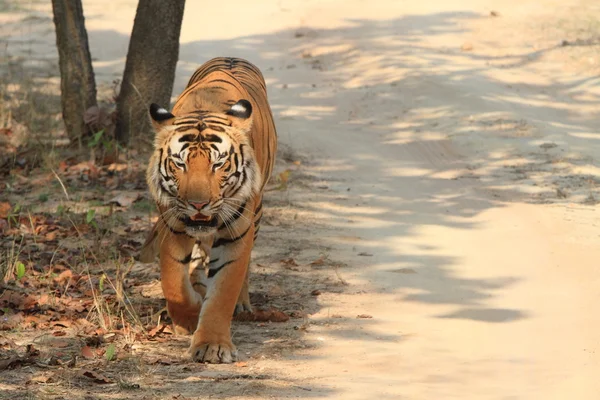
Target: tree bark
150,66
77,84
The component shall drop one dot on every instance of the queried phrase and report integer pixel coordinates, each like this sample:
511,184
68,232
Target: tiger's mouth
200,217
200,220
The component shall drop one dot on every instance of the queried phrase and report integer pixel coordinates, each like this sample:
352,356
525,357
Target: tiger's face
203,169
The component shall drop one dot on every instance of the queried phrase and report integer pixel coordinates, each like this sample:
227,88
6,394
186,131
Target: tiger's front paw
222,351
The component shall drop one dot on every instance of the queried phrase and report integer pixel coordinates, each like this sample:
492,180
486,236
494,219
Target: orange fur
213,155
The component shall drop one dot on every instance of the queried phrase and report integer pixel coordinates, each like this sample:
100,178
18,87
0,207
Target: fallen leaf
315,292
5,209
241,364
51,236
364,316
87,352
318,261
64,276
44,378
161,361
15,300
125,199
8,322
95,376
289,261
157,330
364,254
404,271
271,315
32,351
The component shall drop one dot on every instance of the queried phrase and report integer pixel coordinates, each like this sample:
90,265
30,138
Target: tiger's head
203,169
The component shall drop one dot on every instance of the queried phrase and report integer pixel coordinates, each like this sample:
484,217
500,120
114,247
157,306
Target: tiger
213,155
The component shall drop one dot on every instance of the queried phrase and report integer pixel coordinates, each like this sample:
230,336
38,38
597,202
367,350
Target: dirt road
449,167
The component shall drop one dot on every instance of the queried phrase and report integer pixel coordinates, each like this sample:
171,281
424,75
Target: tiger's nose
198,205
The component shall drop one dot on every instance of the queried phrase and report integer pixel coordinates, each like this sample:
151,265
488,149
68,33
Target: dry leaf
157,330
284,176
5,209
8,322
161,361
95,376
318,261
364,316
41,379
64,276
289,261
87,352
125,199
271,315
241,364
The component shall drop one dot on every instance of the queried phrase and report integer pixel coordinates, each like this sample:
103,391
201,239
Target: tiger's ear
241,113
159,116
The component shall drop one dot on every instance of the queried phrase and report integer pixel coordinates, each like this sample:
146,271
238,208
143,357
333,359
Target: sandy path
457,184
473,293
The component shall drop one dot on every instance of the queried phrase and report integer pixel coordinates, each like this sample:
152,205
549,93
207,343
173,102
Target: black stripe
241,183
217,128
213,261
185,260
190,137
224,241
212,138
213,272
210,120
162,186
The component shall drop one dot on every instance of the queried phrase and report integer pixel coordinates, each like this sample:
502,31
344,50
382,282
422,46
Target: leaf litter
72,287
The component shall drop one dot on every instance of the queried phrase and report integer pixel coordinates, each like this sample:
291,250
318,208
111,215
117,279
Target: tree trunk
78,88
150,66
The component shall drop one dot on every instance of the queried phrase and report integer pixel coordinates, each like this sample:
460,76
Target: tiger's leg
227,271
183,302
243,302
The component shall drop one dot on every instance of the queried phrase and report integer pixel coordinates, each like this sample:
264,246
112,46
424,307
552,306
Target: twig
61,183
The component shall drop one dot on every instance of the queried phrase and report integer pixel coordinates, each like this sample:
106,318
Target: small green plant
15,213
101,283
96,139
43,197
100,140
19,270
110,352
90,218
